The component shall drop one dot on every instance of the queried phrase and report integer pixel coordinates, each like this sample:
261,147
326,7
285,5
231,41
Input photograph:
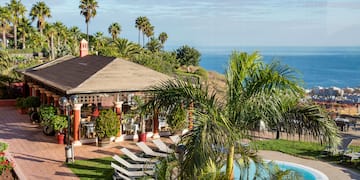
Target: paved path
38,156
331,171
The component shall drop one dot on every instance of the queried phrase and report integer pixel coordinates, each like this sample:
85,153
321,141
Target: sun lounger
352,156
149,151
132,166
341,149
130,174
132,156
176,139
162,146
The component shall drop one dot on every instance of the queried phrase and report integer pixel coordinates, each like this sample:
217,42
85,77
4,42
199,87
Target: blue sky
224,22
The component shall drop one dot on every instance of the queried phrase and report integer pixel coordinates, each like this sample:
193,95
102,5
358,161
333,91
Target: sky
203,23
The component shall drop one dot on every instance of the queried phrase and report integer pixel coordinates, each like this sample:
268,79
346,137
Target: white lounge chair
176,139
149,151
132,166
162,146
132,156
121,172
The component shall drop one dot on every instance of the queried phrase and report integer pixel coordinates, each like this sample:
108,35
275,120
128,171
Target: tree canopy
187,55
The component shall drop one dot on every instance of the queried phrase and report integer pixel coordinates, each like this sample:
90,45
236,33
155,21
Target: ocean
316,66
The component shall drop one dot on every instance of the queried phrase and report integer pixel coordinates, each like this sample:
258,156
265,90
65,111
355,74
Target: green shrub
59,122
202,73
47,114
107,124
32,102
20,102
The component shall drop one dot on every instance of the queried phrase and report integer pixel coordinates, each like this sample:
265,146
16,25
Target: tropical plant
107,124
4,23
24,29
47,114
17,11
114,30
251,97
50,31
32,102
126,48
40,11
88,10
154,45
141,23
20,102
187,55
59,122
61,32
148,30
163,37
176,118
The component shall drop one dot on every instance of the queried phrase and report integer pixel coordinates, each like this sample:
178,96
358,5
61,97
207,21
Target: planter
103,142
60,138
142,137
22,110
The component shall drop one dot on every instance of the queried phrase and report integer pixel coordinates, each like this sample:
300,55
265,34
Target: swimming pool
307,173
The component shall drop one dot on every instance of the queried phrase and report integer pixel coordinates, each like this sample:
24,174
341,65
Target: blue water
317,66
304,174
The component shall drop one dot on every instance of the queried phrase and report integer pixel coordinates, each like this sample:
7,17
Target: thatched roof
95,74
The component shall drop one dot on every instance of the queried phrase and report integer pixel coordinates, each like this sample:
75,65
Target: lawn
92,168
307,150
296,148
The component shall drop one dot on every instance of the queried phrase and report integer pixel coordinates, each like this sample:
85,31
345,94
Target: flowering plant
5,164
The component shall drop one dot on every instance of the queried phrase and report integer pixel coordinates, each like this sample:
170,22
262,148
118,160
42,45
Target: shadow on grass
92,168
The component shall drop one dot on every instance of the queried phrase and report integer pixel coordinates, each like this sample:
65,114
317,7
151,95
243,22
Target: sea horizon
324,66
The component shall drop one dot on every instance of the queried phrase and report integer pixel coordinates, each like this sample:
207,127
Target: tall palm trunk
230,163
139,38
143,39
4,37
41,31
15,36
23,42
87,31
52,47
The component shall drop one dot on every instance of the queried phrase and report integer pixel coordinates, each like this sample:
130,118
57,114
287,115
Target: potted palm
176,119
59,123
21,105
47,114
107,125
33,103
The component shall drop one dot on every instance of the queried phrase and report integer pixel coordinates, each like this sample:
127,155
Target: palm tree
88,10
251,96
99,40
17,11
114,29
154,45
4,23
163,37
40,11
127,49
24,29
75,35
61,32
140,23
149,31
51,31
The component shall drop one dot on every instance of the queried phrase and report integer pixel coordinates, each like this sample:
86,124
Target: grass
92,168
308,150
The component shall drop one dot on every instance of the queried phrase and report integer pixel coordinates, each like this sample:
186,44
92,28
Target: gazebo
105,81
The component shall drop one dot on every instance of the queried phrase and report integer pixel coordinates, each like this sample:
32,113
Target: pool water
303,172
